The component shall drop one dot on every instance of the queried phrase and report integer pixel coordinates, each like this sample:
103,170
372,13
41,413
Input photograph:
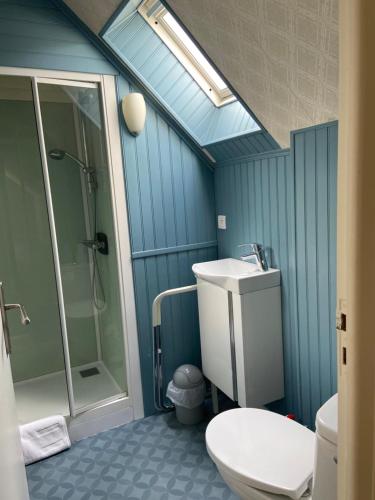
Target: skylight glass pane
194,51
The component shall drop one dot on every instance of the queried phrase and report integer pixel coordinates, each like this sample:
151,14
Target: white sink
236,275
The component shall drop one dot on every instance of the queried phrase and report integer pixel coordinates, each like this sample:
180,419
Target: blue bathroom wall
33,33
315,166
170,191
286,200
172,224
244,145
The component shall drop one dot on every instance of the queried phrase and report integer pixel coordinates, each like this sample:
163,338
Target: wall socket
221,221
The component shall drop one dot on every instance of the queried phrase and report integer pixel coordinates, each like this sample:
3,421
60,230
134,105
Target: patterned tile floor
153,459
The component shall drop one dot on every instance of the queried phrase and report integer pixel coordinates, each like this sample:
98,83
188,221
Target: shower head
56,154
60,154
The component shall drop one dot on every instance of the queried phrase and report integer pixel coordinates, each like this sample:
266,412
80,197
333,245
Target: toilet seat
262,449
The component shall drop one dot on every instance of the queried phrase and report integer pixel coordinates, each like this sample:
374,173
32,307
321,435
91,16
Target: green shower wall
37,349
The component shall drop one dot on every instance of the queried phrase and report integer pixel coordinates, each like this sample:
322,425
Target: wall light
134,111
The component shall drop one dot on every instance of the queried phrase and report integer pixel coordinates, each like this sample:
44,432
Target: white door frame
120,213
107,86
356,249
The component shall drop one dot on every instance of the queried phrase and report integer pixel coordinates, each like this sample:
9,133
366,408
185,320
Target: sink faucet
255,250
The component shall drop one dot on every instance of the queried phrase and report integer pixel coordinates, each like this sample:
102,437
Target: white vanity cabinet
240,328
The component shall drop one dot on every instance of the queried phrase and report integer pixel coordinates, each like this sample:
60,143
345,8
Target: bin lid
187,376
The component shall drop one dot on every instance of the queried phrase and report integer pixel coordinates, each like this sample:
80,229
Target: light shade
134,111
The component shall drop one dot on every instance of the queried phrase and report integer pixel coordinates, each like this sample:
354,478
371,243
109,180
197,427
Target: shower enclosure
60,249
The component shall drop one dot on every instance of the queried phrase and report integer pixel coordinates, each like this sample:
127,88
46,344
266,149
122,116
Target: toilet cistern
255,250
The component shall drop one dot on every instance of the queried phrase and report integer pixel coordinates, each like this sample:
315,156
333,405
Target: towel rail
159,401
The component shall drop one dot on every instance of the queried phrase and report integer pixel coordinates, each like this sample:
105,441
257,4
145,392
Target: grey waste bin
187,390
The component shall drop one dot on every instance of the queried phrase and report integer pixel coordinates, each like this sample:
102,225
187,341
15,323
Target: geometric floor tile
152,459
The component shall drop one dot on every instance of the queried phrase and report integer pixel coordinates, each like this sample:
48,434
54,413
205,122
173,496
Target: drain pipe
159,401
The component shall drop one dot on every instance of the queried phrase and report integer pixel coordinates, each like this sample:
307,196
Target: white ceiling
94,13
281,56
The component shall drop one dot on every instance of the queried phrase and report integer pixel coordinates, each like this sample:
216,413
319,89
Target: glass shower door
26,258
80,187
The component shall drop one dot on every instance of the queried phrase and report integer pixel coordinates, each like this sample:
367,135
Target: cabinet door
215,336
259,347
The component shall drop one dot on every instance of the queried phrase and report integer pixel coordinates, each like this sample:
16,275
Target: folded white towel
43,438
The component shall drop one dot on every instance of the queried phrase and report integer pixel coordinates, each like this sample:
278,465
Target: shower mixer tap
100,243
93,244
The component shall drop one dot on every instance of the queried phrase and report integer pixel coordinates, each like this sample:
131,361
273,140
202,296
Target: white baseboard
99,419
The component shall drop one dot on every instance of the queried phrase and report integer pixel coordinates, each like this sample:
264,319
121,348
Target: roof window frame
153,12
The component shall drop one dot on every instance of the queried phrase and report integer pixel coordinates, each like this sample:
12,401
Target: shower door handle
25,320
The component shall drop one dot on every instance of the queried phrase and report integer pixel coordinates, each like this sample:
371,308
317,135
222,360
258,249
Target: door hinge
344,356
341,322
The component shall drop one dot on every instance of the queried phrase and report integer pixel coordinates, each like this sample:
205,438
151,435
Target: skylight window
194,51
186,51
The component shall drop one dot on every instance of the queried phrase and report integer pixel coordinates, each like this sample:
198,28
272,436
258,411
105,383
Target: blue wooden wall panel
35,34
141,49
170,192
171,204
255,195
180,326
287,201
244,145
171,196
315,160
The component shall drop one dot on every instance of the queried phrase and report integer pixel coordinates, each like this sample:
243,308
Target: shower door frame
106,84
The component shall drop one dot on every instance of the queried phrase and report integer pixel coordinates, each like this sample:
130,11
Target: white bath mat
43,438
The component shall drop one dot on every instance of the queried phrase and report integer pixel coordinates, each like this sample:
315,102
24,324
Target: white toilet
264,456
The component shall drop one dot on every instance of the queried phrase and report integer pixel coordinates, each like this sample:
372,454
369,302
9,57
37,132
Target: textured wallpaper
281,56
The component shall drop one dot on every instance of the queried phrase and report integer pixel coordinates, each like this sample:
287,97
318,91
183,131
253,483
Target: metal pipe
160,403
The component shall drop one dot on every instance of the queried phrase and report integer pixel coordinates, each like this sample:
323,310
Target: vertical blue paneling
171,203
180,326
34,34
244,145
142,50
255,195
287,201
170,192
171,196
315,161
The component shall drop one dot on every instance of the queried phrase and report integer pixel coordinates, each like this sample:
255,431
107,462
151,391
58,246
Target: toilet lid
263,449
